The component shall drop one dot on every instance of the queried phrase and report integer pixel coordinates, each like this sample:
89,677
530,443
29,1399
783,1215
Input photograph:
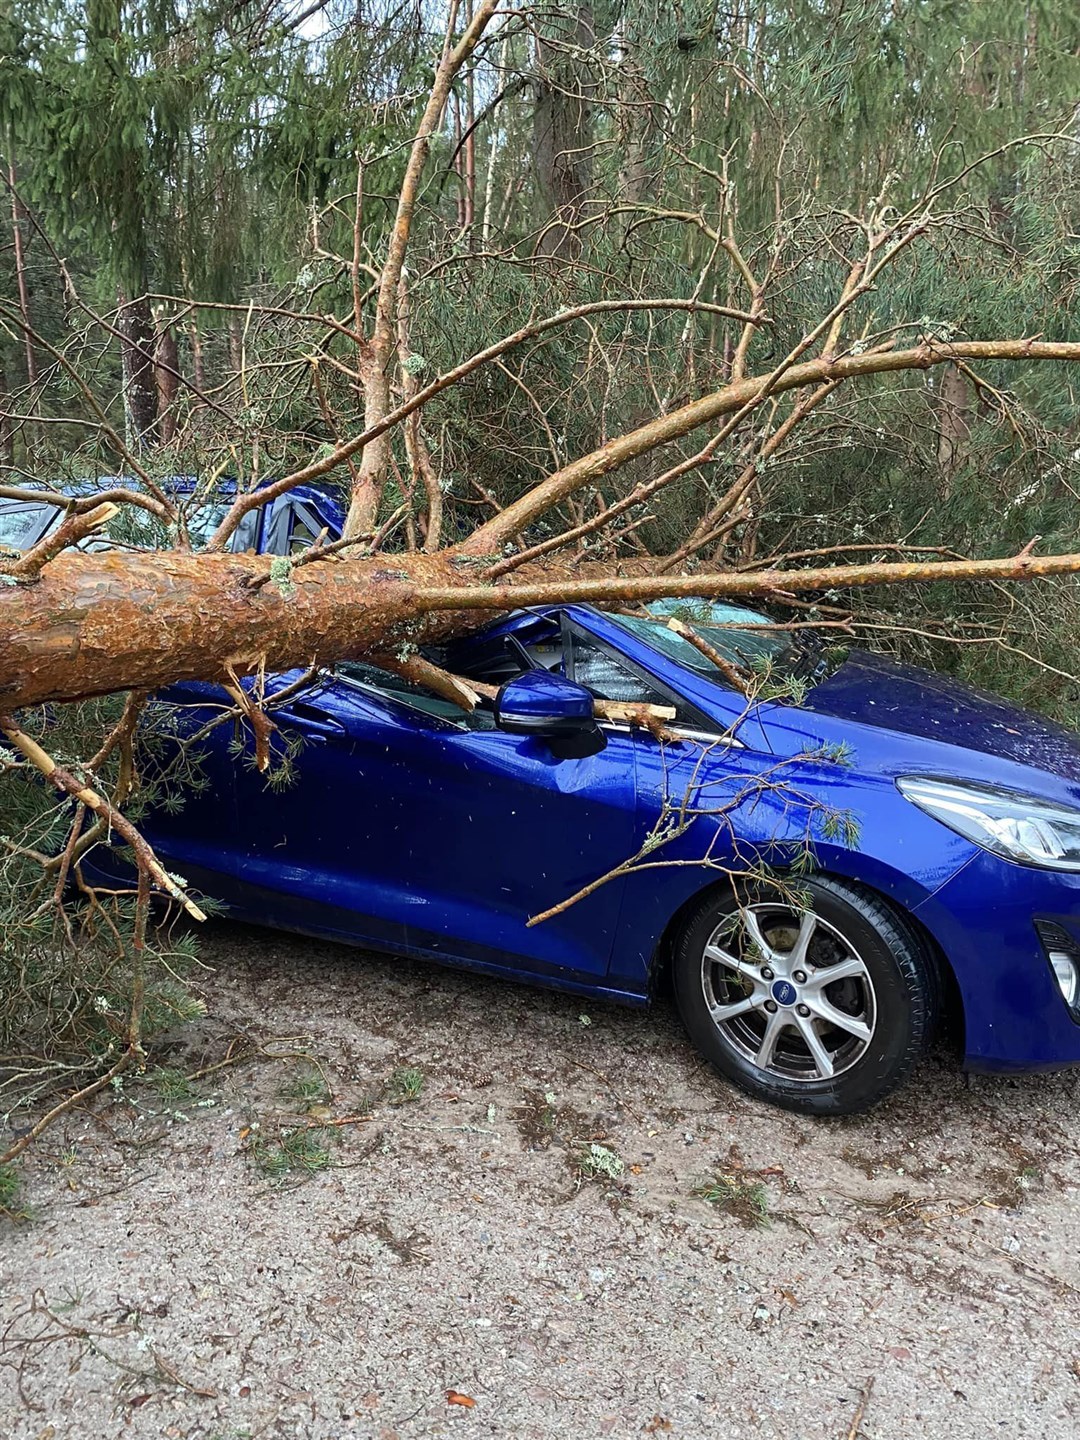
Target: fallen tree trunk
97,623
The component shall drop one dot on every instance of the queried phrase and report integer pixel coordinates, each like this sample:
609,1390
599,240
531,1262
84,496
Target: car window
608,677
22,524
544,642
302,534
748,645
417,697
204,519
493,657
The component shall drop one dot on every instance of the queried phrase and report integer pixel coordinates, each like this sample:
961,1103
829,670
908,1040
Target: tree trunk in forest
236,345
635,120
7,433
562,132
22,287
136,325
197,365
375,458
377,354
470,151
167,376
955,409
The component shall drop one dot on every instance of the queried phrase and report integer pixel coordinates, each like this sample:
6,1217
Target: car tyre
818,998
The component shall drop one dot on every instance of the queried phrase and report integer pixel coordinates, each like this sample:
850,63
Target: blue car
285,526
817,876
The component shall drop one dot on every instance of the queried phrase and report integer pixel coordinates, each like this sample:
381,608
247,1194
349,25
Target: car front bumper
984,919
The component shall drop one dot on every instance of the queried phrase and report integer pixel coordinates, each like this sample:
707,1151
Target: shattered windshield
742,636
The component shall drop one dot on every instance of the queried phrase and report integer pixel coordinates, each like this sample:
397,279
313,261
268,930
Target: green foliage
842,752
12,1205
748,1200
841,825
67,974
406,1085
301,1153
770,682
170,1084
307,1087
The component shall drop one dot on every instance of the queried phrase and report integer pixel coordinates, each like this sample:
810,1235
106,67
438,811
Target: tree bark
136,326
21,284
376,355
7,433
635,121
562,132
97,623
375,458
167,377
236,345
955,409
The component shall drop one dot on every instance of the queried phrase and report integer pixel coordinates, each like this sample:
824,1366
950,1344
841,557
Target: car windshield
742,636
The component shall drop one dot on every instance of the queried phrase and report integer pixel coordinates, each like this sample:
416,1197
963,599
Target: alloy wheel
788,992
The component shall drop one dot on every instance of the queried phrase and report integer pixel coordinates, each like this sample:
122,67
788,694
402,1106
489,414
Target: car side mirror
552,708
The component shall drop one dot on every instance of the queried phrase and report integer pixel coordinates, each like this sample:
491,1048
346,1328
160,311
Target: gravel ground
451,1271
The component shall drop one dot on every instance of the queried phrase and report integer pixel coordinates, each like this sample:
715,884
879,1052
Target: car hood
873,690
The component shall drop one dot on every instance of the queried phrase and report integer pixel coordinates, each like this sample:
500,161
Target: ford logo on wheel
784,993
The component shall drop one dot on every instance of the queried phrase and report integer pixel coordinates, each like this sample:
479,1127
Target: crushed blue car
816,876
285,526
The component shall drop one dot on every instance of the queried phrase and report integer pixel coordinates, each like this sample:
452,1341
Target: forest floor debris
351,1204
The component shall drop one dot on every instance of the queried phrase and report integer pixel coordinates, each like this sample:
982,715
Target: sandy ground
918,1274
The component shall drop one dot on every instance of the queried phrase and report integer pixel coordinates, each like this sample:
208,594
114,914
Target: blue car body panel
430,859
420,835
982,918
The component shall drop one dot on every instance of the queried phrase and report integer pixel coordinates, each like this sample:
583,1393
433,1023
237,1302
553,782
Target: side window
204,519
609,678
290,528
496,658
246,534
301,536
501,656
21,525
417,697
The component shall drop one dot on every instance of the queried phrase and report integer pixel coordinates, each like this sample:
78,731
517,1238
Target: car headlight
1019,827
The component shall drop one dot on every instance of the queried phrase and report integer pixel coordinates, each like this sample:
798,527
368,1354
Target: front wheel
818,999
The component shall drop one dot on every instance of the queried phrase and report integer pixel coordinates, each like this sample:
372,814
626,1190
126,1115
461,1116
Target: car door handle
310,720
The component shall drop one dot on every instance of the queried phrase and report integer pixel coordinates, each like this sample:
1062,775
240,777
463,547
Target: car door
691,826
413,825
